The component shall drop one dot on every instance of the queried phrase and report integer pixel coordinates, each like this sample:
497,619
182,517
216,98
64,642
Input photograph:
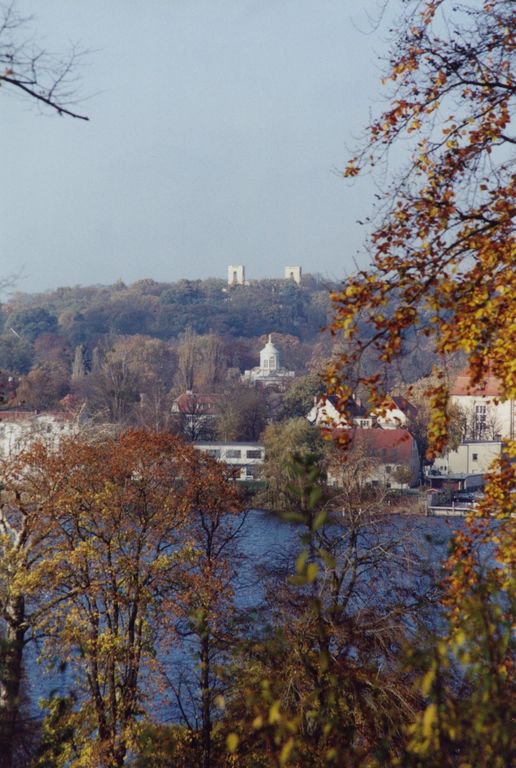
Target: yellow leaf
232,742
429,718
257,722
286,751
427,681
311,572
274,713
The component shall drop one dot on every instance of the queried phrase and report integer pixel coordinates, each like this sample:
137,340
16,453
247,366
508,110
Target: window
474,457
254,453
214,453
233,453
265,363
272,363
480,419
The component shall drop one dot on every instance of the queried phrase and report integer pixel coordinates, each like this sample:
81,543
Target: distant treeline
165,310
116,347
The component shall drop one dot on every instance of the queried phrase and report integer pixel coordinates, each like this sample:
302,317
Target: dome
269,357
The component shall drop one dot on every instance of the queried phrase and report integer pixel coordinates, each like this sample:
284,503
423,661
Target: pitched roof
403,405
390,446
489,387
193,403
352,408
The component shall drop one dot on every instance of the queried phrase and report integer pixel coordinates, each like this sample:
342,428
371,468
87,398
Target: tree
299,397
201,362
207,596
43,386
109,563
25,541
31,323
283,442
16,354
324,684
120,511
443,251
242,413
418,424
151,365
33,72
111,390
443,248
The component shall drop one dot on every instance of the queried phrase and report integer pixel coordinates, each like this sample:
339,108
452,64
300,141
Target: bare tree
32,71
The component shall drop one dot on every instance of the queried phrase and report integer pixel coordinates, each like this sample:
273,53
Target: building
473,457
326,413
270,370
394,412
195,414
486,417
245,458
20,429
293,273
236,275
391,457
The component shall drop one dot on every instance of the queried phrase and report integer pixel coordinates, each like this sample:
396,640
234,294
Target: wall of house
472,457
487,418
246,457
18,431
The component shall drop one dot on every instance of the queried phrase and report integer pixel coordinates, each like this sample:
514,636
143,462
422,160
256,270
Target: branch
41,97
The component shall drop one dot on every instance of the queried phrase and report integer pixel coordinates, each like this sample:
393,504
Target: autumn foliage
100,557
443,265
443,251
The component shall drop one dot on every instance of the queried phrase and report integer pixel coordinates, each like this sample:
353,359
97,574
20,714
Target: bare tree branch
34,72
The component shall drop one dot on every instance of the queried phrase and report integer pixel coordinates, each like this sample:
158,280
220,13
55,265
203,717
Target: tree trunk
11,657
205,700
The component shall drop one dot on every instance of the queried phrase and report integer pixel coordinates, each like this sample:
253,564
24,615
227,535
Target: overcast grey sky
216,131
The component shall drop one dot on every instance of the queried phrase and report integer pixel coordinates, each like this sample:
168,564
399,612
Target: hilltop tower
293,273
236,275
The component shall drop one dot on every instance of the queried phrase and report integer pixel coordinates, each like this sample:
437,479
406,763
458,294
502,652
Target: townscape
196,385
269,522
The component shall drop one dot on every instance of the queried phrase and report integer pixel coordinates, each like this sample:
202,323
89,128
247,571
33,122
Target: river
267,540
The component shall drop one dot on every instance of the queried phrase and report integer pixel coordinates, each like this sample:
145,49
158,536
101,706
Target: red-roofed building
392,456
486,417
196,414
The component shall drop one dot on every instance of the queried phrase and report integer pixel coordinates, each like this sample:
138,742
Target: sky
217,133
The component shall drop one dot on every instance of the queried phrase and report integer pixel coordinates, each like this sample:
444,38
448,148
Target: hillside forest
123,353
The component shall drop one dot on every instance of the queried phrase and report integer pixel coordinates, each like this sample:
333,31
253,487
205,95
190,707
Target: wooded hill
169,337
164,310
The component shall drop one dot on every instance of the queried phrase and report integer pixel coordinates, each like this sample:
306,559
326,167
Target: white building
236,275
326,413
293,273
245,458
473,457
270,370
19,429
486,417
395,412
